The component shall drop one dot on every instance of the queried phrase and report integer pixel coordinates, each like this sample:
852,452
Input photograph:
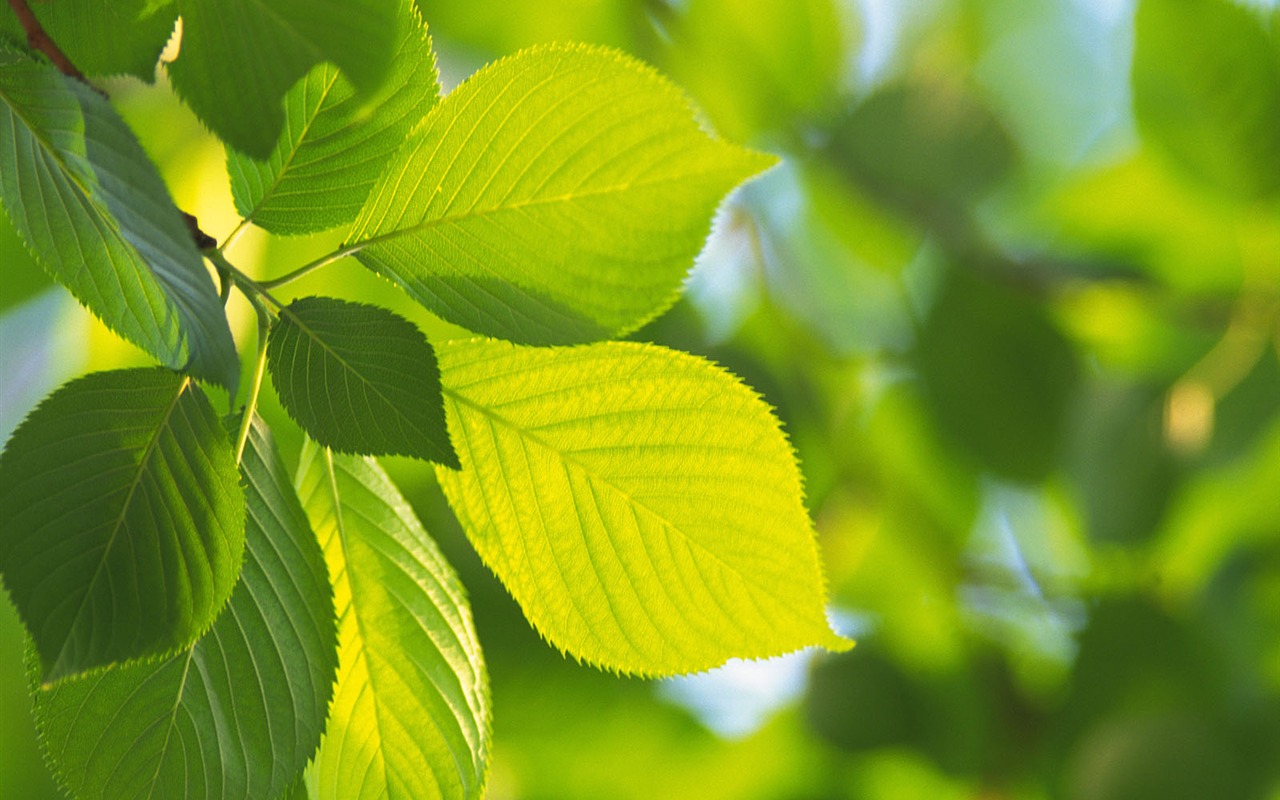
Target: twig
40,41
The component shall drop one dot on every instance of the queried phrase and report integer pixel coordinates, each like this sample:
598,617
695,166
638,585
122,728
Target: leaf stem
259,367
323,261
40,40
234,235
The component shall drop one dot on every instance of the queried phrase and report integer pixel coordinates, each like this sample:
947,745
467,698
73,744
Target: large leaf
641,504
359,379
332,149
237,714
123,519
556,196
90,205
239,57
1206,89
105,37
410,716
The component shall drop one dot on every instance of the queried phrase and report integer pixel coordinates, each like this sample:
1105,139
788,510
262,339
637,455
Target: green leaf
90,205
998,374
759,66
359,379
237,714
557,196
123,519
410,717
239,57
1206,89
641,504
332,148
104,37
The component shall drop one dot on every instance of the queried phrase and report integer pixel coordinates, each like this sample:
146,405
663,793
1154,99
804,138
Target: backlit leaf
359,379
89,203
332,148
641,504
123,519
237,714
410,716
239,57
557,196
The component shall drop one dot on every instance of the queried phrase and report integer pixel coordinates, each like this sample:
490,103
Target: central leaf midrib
429,224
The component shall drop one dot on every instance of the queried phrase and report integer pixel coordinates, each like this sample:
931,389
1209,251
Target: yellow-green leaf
641,504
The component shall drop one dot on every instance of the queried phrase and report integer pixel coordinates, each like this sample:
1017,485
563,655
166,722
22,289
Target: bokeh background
1014,292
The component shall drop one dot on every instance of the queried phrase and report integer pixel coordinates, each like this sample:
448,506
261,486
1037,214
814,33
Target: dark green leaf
123,519
104,37
239,713
359,379
998,375
89,203
332,148
239,57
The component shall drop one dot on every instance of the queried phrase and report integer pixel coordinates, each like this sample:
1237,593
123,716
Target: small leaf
641,504
556,196
333,147
410,716
123,519
104,37
239,57
1206,90
239,713
359,379
998,375
90,205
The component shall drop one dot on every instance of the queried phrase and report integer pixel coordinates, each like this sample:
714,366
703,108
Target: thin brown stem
40,41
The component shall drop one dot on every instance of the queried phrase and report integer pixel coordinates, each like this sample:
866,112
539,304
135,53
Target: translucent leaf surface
123,519
410,716
333,147
641,504
89,203
239,57
1206,89
559,195
239,713
104,37
359,379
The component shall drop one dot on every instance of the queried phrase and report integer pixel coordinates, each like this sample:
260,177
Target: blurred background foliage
1015,293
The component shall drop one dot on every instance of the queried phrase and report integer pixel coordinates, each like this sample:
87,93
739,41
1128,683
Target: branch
40,41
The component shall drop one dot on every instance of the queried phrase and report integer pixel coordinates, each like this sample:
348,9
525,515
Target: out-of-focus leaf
333,147
123,519
759,67
834,260
1119,461
105,37
557,196
998,375
239,57
923,147
1206,90
239,713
